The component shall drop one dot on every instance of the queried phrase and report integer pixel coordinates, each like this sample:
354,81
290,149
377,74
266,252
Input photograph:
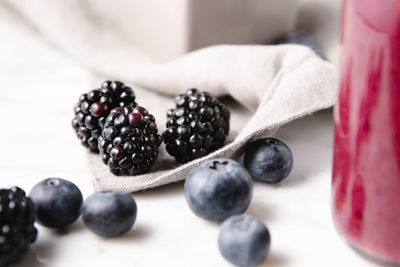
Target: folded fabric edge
324,98
234,148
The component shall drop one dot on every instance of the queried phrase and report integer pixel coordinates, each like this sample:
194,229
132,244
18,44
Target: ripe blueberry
218,188
268,160
109,214
244,240
57,202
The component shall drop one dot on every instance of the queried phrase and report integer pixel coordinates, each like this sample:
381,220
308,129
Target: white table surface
38,88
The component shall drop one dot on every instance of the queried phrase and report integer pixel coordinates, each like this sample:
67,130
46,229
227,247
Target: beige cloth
271,85
276,83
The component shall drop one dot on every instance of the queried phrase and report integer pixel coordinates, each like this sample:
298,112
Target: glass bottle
366,169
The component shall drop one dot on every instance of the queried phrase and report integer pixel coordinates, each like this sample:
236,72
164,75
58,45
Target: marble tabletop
38,89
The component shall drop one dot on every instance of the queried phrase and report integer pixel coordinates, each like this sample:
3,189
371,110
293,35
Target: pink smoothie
366,171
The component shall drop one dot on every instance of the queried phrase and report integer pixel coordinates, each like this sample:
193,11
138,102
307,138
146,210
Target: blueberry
268,160
244,240
109,214
301,38
218,188
57,202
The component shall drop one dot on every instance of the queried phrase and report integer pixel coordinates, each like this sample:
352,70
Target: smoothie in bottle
366,170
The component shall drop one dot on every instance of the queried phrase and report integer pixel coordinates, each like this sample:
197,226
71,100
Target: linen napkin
268,86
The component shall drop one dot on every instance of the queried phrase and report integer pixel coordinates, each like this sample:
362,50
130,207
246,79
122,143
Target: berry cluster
221,190
197,126
16,225
56,203
129,141
93,108
109,121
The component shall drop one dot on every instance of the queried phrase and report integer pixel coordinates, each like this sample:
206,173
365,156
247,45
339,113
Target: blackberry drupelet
16,225
197,126
129,141
93,108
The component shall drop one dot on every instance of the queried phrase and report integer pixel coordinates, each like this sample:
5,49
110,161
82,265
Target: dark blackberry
129,141
197,126
93,108
17,231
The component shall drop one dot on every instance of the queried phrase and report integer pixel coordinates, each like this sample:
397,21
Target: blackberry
197,126
129,141
93,108
16,225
